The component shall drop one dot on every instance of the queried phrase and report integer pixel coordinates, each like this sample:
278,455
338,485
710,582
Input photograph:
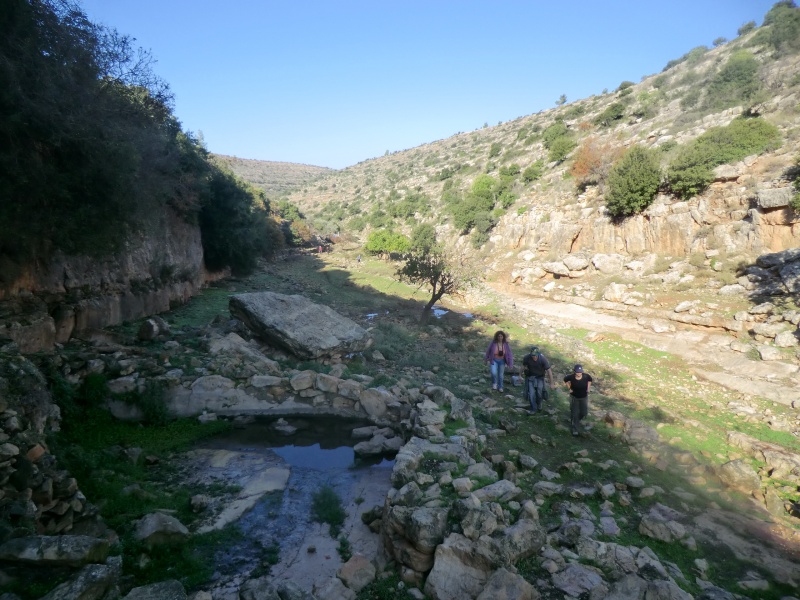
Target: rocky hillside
532,201
275,178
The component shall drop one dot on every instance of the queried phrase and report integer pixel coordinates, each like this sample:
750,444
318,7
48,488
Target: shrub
592,162
386,242
561,147
625,85
633,182
746,28
613,112
781,29
695,54
692,170
660,82
533,172
554,131
575,111
691,99
495,150
719,41
735,82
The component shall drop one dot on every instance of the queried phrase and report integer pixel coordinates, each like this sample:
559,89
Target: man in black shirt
579,384
535,367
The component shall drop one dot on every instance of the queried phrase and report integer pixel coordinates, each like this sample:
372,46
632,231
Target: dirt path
708,355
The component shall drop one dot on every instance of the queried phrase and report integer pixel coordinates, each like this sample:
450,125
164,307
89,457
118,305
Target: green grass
326,507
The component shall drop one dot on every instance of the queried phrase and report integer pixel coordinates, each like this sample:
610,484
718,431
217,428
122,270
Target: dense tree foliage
90,149
633,182
781,28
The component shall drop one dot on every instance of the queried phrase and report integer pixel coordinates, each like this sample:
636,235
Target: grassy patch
326,507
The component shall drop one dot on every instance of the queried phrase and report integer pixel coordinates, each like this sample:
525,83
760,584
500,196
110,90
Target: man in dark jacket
535,367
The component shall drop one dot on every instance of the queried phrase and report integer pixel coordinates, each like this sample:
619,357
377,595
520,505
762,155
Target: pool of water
319,454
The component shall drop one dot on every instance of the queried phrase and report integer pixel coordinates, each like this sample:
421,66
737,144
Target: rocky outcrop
53,301
305,329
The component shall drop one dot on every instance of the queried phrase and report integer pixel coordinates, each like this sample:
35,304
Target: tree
719,41
441,273
562,100
633,182
746,28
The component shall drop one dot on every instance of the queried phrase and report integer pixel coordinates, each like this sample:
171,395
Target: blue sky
334,83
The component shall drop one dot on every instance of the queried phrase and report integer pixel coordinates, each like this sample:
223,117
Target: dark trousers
578,409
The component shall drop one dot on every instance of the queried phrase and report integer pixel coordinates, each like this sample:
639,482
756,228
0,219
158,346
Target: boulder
739,475
556,268
164,590
156,529
577,579
357,573
93,582
459,571
55,550
505,585
786,339
790,275
575,263
306,329
608,264
774,197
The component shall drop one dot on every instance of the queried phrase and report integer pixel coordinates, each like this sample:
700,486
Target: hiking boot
494,386
575,432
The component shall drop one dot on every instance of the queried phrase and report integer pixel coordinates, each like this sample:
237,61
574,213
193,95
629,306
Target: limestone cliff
50,302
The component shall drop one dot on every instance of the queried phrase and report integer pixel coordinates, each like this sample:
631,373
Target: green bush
691,99
561,147
554,131
633,182
719,41
781,29
625,85
691,172
746,28
736,82
386,242
533,172
495,149
612,113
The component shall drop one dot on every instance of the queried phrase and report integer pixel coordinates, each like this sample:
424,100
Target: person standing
579,384
536,366
498,356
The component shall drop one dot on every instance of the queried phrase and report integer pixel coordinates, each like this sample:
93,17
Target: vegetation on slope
91,149
471,180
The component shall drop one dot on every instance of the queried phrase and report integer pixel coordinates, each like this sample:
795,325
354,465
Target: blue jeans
498,368
535,392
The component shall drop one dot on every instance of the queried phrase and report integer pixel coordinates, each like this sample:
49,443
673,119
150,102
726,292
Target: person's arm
489,352
588,386
550,377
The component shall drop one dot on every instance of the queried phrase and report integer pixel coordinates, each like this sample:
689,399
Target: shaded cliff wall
161,266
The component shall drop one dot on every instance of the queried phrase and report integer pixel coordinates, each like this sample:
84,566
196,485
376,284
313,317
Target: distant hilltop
275,178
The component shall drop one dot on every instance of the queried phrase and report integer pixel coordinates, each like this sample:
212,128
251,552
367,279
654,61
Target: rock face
306,329
163,266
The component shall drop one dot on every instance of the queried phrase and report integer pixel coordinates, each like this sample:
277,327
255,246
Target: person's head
578,370
500,337
535,352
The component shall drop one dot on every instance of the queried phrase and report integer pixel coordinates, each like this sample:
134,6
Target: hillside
532,202
275,178
538,163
